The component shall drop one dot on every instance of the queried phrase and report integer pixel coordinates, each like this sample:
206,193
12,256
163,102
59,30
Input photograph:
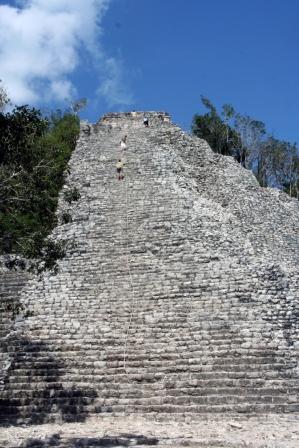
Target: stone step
39,349
169,405
147,361
161,389
117,353
106,377
157,383
110,363
147,339
72,413
93,375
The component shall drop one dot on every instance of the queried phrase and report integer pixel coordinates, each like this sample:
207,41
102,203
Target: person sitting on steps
123,143
119,169
87,129
145,122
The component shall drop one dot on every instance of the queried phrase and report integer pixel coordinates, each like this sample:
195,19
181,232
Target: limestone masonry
180,294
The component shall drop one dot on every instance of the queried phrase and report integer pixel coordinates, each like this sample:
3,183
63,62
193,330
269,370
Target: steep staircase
176,297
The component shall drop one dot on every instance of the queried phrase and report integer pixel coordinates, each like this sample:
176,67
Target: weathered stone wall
11,313
180,294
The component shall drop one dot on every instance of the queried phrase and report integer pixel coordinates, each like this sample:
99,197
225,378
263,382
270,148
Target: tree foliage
217,132
4,99
34,152
274,162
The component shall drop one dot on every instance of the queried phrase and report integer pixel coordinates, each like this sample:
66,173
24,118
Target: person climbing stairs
119,169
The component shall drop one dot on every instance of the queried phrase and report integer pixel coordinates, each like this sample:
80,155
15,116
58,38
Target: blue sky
156,55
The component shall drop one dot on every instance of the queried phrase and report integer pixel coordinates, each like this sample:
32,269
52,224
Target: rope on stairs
131,280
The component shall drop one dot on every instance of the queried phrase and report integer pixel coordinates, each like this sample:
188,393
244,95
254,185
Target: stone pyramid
179,295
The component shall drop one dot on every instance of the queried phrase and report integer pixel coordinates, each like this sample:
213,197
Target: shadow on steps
34,392
122,440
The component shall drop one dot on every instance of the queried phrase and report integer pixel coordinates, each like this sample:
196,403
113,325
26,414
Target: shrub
66,218
71,195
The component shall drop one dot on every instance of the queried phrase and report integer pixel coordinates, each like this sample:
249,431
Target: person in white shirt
123,143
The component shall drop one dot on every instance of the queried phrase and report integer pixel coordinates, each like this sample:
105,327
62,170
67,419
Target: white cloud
41,43
112,87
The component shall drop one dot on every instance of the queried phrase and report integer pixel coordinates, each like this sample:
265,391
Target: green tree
34,152
252,134
19,131
283,163
274,162
215,129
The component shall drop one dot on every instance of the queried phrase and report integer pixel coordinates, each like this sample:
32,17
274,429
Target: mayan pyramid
179,293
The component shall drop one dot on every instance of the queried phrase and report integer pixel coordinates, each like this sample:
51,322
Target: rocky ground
271,431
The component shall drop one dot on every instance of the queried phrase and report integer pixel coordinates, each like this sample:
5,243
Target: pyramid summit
179,295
